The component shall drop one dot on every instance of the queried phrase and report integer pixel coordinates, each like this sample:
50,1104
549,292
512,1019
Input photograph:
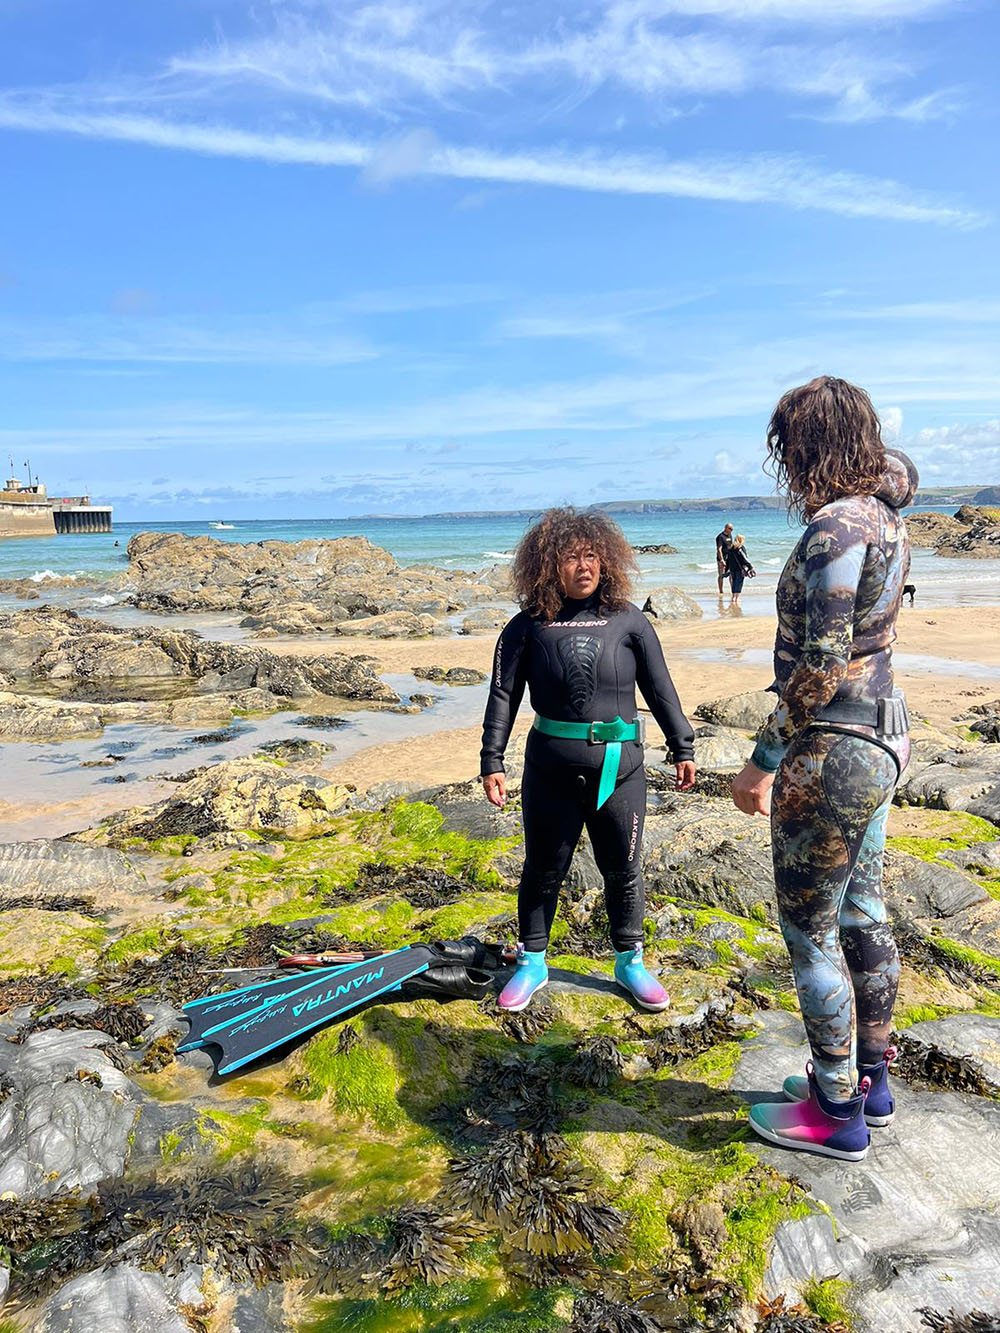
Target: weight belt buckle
591,738
640,730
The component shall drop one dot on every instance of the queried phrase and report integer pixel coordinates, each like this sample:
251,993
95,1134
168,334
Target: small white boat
222,525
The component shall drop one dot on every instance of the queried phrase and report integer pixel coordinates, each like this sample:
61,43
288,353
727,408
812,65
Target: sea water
474,542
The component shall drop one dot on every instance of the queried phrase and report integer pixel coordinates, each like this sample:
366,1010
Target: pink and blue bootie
530,975
631,973
880,1106
834,1129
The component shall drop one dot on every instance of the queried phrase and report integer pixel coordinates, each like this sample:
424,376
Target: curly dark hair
824,441
535,571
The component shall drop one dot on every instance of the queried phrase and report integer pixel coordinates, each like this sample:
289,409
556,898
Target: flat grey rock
59,1130
809,1247
965,1034
55,867
924,889
919,1215
122,1299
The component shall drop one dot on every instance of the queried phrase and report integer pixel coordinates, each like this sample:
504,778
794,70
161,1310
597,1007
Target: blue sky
320,259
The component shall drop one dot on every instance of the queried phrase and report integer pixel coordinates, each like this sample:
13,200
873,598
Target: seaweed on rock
778,1317
49,903
241,1221
175,976
595,1313
927,1065
36,991
512,1092
526,1026
532,1187
684,1040
121,1019
425,1245
422,886
976,1321
597,1063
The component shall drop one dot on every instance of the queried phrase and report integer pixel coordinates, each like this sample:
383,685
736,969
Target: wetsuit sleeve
506,692
656,687
831,561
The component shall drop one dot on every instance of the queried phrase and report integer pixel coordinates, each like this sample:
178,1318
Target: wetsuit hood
899,484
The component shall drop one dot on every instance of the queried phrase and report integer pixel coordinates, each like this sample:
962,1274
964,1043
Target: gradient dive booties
631,973
530,974
835,1129
879,1104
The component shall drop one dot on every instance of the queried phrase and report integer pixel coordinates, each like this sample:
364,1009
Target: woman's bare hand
685,775
495,787
752,790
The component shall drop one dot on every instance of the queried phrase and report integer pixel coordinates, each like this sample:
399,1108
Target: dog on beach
909,590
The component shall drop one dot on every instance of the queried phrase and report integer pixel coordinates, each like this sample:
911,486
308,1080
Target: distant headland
729,504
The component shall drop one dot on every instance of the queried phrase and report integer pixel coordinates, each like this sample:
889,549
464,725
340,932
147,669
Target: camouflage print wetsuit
838,599
584,666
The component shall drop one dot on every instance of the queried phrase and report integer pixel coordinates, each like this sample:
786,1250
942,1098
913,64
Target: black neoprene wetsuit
584,666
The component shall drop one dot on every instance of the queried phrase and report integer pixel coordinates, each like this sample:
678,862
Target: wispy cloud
97,339
760,178
388,59
968,311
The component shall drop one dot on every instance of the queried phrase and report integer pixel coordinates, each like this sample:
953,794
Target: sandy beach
946,660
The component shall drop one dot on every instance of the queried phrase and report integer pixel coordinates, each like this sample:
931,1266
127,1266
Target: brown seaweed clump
121,1019
777,1317
49,903
597,1063
926,1065
174,976
420,1243
37,991
422,886
510,1092
976,1321
683,1041
595,1313
240,1221
529,1024
531,1187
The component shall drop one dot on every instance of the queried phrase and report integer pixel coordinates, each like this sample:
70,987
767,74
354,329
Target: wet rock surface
61,647
582,1165
916,1219
671,603
341,586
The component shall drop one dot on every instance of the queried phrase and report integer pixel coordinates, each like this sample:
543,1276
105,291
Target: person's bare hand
752,790
685,775
495,787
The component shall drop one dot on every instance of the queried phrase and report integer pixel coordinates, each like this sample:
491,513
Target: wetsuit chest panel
580,655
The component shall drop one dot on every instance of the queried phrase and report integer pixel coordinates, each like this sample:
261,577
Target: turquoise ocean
475,542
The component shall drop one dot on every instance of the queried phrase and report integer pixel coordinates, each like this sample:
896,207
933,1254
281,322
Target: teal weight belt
608,734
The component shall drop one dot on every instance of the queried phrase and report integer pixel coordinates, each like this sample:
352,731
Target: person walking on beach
738,567
581,648
723,541
833,749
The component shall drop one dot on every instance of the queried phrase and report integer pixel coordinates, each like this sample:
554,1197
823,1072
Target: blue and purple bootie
530,974
880,1106
817,1124
631,973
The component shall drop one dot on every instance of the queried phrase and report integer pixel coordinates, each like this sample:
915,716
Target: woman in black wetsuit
581,648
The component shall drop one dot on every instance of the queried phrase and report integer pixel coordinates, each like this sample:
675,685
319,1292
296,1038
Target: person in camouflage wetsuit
834,748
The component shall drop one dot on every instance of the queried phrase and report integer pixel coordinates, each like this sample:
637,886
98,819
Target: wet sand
946,659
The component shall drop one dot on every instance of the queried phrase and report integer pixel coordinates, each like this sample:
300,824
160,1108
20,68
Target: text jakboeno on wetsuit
580,668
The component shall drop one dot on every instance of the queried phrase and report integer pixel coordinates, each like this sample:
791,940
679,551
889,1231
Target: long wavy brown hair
824,441
535,571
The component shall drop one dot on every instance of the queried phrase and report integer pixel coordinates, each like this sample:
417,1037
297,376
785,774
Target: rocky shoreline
423,1135
584,1166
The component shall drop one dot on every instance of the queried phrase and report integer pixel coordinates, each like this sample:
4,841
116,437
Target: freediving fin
318,1002
210,1010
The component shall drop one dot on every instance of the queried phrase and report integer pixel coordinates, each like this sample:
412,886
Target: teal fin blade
304,981
208,1010
314,1006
